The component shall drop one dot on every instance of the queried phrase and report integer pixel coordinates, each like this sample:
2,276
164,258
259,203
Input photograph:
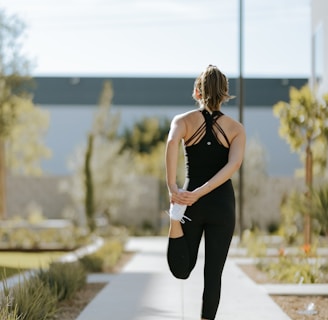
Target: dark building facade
153,91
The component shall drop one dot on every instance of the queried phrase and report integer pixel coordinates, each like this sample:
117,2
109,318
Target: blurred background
108,76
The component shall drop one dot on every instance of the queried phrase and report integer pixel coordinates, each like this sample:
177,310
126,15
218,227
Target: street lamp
241,118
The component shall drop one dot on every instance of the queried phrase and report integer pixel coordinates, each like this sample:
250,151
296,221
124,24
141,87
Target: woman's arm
236,154
176,133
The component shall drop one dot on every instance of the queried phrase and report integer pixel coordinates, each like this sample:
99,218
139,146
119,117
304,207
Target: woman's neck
202,107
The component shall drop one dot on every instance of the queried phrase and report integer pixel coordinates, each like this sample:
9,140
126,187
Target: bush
6,310
7,272
37,297
105,258
63,279
255,245
302,268
320,207
92,263
31,299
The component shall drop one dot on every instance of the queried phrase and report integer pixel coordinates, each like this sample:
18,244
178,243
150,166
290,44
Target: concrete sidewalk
145,290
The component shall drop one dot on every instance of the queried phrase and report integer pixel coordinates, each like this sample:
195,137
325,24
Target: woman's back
206,145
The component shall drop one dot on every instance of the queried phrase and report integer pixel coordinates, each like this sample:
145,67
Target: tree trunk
308,180
89,200
2,181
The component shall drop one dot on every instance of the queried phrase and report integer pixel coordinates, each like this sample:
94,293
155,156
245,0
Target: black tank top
204,152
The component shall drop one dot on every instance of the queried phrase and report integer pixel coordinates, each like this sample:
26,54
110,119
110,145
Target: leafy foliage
147,142
299,270
105,258
255,173
7,272
63,279
303,119
25,145
7,311
22,124
293,208
320,207
146,135
11,34
103,173
31,299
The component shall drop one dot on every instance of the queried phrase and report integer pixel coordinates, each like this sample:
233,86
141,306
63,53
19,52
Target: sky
164,37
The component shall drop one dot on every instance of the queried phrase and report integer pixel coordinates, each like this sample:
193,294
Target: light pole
241,117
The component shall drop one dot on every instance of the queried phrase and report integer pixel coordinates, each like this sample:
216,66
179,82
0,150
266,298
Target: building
320,45
72,102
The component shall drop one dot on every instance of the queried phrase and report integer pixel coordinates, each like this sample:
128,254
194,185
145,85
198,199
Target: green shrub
31,299
295,270
7,272
320,207
105,258
37,297
293,208
63,279
7,312
111,252
254,243
92,263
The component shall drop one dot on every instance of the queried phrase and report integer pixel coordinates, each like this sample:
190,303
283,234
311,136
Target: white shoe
177,211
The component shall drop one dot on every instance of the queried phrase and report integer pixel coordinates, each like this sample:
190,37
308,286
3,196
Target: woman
214,147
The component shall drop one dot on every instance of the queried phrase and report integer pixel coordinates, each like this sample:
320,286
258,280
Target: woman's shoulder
187,115
231,124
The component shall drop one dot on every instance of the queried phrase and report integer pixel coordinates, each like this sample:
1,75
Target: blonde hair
214,88
198,87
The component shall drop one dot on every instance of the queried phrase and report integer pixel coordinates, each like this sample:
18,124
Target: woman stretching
214,147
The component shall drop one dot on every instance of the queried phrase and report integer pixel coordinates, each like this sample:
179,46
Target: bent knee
180,274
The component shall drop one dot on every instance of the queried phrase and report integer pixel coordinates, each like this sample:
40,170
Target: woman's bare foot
175,230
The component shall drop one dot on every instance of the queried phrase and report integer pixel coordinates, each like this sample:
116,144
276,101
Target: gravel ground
70,309
293,306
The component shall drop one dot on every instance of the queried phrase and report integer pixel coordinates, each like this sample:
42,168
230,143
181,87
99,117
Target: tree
303,122
147,140
89,195
21,123
103,176
146,134
320,196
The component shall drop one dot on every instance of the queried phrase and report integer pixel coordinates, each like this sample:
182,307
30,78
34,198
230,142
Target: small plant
105,258
320,207
92,263
7,272
255,246
30,299
37,297
6,310
301,268
63,279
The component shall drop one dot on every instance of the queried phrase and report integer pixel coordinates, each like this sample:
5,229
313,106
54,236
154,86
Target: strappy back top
204,152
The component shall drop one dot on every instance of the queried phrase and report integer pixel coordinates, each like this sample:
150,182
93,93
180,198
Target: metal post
241,117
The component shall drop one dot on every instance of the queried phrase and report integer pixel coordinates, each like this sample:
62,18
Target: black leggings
217,225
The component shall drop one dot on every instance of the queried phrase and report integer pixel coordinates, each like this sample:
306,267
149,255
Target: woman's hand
188,197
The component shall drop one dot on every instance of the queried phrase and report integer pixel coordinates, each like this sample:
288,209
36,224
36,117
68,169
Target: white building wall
70,125
320,44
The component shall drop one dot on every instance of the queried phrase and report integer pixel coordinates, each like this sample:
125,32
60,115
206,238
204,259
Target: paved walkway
145,290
